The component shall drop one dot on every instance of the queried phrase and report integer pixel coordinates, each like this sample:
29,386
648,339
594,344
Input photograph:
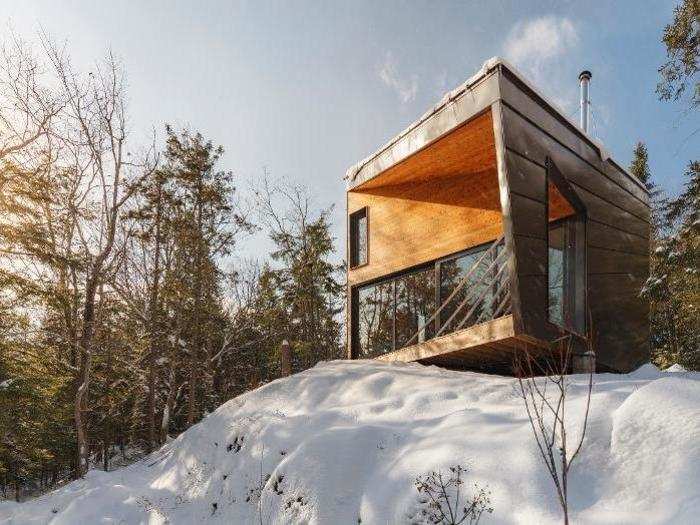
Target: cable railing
483,292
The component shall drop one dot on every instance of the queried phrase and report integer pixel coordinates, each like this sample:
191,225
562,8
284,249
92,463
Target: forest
128,310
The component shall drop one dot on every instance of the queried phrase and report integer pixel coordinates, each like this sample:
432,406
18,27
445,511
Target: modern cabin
493,224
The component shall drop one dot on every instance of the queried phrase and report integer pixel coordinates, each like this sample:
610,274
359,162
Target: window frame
353,222
393,277
574,227
480,248
564,224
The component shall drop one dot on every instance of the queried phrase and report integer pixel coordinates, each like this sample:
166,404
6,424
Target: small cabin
492,224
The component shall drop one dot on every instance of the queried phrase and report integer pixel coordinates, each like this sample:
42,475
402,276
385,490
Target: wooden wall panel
529,229
603,236
620,323
414,223
612,214
467,149
604,260
526,177
528,216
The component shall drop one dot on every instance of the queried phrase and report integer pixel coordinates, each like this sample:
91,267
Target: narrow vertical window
359,249
558,272
566,253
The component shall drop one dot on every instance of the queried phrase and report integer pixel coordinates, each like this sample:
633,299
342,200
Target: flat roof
448,98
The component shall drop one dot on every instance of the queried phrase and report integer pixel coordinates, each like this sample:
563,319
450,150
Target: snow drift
343,442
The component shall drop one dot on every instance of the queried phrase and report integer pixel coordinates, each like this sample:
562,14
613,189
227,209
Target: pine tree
674,284
640,164
305,276
207,226
682,41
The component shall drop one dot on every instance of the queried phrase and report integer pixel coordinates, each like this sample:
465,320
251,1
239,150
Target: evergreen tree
640,165
674,284
305,277
682,41
207,225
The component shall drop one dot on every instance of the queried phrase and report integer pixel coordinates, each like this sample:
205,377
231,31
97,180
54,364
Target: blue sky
306,89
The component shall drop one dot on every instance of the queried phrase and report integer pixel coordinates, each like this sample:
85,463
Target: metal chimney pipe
585,78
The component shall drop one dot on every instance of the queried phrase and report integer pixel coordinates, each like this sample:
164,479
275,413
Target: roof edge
487,68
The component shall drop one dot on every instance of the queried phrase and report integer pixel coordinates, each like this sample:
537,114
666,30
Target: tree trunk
168,409
105,455
172,388
153,328
196,351
83,452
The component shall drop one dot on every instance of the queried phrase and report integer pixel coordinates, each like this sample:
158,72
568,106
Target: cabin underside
491,346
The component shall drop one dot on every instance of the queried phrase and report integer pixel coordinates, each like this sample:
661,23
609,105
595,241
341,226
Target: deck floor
492,344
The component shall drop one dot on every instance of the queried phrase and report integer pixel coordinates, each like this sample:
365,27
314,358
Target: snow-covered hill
343,442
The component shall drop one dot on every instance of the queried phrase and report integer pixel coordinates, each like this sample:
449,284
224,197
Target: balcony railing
482,294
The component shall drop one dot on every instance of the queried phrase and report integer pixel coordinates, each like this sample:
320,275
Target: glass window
397,312
358,238
557,272
415,304
375,319
452,272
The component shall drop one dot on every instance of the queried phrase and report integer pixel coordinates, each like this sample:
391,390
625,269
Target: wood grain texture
473,337
440,201
466,150
412,223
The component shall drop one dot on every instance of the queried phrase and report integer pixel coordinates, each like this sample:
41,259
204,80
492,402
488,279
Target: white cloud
538,47
405,88
540,40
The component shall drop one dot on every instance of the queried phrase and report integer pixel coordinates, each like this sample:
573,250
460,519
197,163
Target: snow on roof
486,68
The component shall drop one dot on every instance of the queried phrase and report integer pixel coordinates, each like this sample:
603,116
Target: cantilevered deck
490,344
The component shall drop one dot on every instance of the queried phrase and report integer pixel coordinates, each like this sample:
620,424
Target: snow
348,438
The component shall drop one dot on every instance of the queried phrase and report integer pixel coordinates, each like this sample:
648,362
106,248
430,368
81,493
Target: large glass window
395,313
375,319
415,304
452,272
481,290
557,272
401,311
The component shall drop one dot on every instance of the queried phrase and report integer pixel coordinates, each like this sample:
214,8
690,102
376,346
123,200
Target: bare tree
306,277
27,105
544,385
93,133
